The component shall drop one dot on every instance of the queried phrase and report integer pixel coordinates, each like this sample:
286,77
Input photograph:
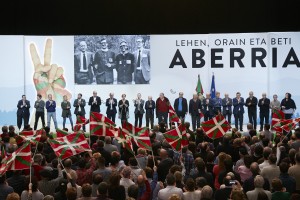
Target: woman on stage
288,106
66,111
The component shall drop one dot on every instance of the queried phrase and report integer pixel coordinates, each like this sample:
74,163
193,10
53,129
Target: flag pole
153,158
30,169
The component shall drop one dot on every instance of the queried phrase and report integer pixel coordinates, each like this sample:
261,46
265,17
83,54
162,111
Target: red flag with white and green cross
69,145
18,160
177,137
139,135
216,127
100,125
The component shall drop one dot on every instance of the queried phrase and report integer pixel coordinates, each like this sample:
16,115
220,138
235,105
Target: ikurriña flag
18,160
139,135
69,145
177,137
173,116
216,127
101,125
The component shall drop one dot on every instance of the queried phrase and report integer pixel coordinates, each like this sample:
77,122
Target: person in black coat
288,106
227,107
164,165
181,106
264,110
79,105
95,102
195,110
208,107
23,112
111,104
251,103
149,107
123,109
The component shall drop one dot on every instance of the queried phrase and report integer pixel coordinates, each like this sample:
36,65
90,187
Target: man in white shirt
82,65
171,188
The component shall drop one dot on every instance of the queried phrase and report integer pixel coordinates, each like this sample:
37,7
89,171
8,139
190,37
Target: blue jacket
50,108
238,106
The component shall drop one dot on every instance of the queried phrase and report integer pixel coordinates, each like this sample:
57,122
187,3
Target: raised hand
48,78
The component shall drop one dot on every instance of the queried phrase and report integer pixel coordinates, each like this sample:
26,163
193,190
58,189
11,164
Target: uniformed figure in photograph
83,65
142,58
124,64
104,63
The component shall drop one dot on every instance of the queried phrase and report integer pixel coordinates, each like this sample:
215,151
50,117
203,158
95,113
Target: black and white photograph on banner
112,59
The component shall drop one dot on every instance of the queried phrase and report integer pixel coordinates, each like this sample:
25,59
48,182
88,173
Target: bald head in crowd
163,154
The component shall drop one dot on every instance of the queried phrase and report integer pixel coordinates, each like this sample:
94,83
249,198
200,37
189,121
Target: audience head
102,188
259,181
13,196
133,191
71,193
170,179
206,192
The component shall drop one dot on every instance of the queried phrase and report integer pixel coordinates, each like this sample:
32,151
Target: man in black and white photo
40,111
142,58
111,104
79,105
181,106
95,102
23,111
124,64
82,65
104,63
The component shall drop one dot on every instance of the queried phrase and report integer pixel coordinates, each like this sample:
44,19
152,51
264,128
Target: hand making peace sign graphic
48,78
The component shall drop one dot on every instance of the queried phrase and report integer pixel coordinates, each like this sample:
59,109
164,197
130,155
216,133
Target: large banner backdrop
258,62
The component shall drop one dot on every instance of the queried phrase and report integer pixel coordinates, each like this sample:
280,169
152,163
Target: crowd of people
251,164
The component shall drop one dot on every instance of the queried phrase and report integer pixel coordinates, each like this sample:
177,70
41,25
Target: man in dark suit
142,59
238,110
264,110
139,110
195,110
217,104
125,65
83,65
227,108
208,107
181,106
104,63
149,107
79,105
111,104
95,102
251,103
23,111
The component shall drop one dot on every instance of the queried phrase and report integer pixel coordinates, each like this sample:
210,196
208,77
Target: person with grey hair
108,146
142,65
111,104
195,110
37,165
95,102
48,197
264,110
126,179
181,106
149,107
272,171
227,107
275,104
251,103
258,184
206,193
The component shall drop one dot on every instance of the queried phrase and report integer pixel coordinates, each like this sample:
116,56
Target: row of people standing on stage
208,106
130,67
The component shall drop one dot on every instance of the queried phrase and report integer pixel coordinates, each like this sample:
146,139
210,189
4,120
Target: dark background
74,17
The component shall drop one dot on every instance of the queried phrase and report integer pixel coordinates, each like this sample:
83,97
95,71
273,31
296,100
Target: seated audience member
272,171
165,193
258,184
278,189
31,191
294,171
115,190
288,181
4,188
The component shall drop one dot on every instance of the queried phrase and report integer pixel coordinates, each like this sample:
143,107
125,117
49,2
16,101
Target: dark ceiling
66,17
